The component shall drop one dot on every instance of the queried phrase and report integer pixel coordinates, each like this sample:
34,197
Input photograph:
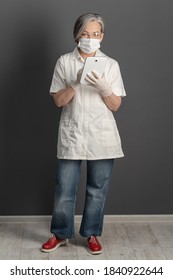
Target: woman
87,131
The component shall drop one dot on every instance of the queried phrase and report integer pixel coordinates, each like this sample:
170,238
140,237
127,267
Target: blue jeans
67,177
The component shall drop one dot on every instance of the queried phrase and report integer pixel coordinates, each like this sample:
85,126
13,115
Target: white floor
120,241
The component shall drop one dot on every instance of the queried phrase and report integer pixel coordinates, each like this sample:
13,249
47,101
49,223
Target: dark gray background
33,34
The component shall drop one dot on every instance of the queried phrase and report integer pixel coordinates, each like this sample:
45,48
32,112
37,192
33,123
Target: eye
84,34
96,34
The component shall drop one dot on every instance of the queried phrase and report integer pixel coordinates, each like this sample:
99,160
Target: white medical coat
87,128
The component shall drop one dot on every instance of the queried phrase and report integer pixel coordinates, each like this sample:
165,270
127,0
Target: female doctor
87,131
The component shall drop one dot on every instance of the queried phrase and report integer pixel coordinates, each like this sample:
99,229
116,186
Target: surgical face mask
89,45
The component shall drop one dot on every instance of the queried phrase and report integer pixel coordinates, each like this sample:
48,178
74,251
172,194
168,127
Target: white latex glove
99,82
75,85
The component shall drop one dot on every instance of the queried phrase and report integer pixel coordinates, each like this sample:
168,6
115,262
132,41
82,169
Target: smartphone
97,63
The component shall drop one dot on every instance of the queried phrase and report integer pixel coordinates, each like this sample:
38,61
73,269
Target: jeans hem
62,236
88,235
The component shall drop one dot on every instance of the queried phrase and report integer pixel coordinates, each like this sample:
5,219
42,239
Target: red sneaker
52,244
94,246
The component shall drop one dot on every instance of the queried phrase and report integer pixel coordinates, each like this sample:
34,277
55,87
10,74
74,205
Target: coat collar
76,54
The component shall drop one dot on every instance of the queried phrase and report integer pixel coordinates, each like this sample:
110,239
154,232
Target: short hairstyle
82,21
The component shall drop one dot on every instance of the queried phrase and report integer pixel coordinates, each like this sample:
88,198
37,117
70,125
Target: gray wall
34,33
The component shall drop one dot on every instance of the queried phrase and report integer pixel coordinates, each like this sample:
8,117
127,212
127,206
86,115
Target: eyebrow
91,32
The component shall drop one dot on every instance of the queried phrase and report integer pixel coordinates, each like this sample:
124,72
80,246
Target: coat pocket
64,133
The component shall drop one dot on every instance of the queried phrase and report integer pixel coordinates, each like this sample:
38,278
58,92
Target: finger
87,78
91,77
96,74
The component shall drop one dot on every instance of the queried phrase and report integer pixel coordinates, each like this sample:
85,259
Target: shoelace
93,239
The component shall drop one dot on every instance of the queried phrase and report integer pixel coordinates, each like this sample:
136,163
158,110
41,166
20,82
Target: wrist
74,86
106,92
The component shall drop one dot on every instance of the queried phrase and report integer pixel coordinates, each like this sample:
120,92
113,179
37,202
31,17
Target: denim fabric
67,177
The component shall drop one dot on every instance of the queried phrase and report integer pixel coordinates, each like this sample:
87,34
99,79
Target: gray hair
82,21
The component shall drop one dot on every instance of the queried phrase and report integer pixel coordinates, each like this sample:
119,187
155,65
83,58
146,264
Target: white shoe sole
56,247
95,253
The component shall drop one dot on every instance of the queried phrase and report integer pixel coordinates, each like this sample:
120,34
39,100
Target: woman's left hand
98,81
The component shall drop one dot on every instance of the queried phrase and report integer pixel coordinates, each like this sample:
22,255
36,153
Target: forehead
92,26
